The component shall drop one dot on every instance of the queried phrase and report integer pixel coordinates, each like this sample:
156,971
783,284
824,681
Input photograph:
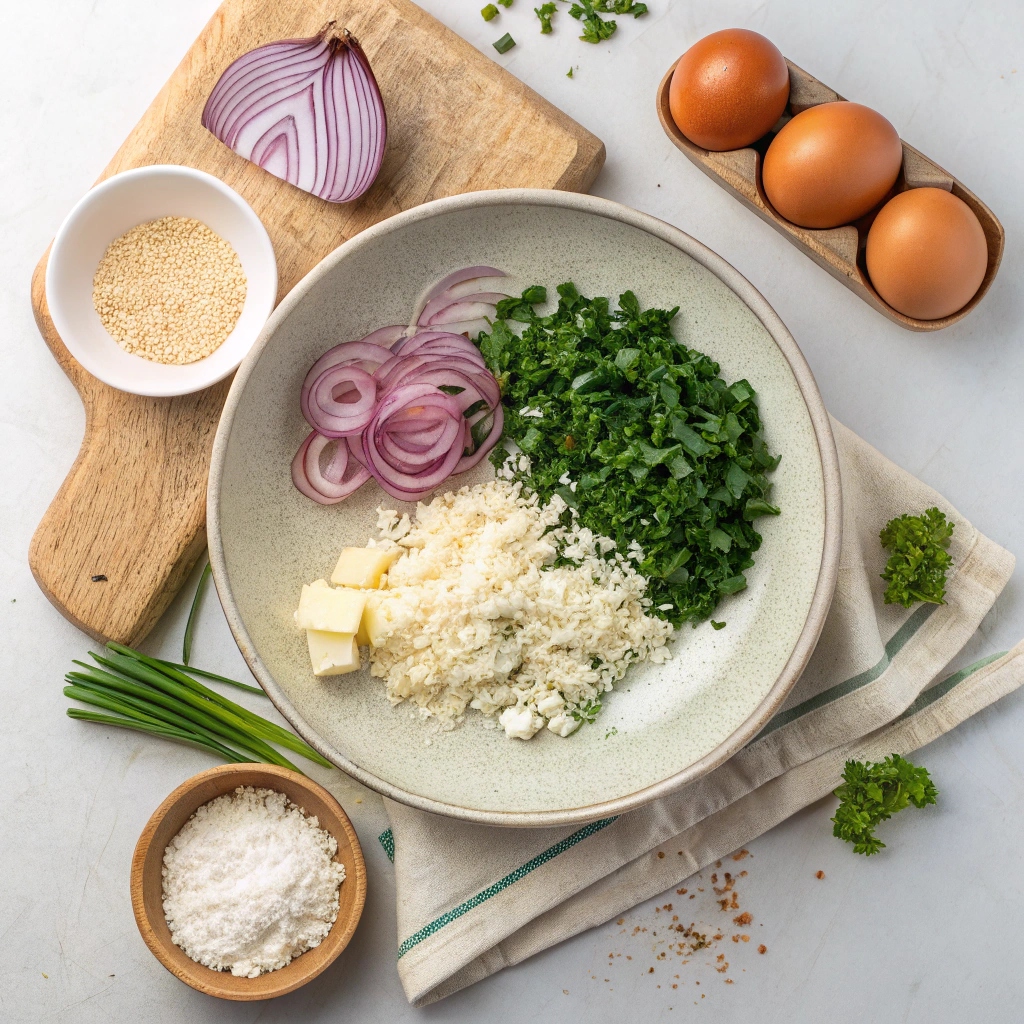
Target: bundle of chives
164,699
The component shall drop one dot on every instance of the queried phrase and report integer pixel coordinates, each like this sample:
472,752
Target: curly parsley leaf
656,447
595,28
916,570
872,793
545,12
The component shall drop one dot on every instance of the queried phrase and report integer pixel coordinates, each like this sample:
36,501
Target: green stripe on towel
900,639
492,890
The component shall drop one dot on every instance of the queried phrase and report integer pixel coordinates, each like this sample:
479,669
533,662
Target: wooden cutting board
133,507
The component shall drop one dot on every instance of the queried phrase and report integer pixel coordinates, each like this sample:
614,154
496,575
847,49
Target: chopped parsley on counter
641,435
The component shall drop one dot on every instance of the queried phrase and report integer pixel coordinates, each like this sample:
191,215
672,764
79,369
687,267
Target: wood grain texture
165,823
840,250
133,505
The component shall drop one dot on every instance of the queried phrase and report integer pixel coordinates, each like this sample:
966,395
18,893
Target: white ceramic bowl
106,212
664,725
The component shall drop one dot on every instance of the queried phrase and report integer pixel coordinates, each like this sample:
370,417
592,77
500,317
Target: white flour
249,883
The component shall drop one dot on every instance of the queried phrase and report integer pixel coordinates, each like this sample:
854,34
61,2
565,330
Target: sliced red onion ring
333,417
327,486
411,486
440,304
308,111
365,354
380,399
466,274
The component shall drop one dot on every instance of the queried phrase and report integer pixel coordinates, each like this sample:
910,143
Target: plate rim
828,456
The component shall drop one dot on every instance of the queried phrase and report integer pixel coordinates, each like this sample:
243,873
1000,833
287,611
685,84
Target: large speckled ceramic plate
670,724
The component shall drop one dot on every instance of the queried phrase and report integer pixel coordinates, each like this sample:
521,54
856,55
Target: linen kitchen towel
473,899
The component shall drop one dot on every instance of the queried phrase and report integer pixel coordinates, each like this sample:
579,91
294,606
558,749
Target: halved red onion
329,485
308,111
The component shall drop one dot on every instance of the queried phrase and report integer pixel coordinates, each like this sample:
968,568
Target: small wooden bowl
840,250
164,825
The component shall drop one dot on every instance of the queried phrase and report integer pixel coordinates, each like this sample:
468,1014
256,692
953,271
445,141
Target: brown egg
926,253
728,89
831,164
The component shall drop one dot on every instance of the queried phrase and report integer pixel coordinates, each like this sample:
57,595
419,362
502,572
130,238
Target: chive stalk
186,643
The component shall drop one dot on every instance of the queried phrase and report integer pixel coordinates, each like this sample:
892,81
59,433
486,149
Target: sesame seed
169,290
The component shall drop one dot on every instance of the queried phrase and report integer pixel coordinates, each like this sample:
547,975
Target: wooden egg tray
840,250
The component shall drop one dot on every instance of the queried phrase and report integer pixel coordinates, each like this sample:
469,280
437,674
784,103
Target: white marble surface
924,932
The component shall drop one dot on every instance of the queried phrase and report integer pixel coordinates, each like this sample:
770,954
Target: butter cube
332,654
325,609
363,567
376,624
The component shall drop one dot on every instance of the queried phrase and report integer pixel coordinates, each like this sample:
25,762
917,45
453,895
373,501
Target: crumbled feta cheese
520,725
564,479
477,615
563,725
535,413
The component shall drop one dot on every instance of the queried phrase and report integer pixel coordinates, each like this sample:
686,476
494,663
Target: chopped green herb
916,570
872,793
639,434
595,28
611,732
620,7
568,73
505,3
546,12
587,713
489,13
505,43
717,625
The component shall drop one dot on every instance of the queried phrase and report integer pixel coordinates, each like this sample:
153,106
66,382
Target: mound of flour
250,882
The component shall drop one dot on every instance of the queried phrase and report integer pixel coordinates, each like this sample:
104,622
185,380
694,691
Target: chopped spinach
641,435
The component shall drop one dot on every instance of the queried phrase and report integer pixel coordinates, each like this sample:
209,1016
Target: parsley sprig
641,435
873,793
916,570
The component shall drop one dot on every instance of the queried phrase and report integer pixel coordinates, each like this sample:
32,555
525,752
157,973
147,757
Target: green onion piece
268,730
505,43
171,734
489,13
186,644
212,675
171,711
145,674
505,3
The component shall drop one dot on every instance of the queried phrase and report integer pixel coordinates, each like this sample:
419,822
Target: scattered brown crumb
714,878
675,986
736,939
762,948
650,970
681,892
743,874
621,920
743,918
717,937
745,938
741,854
718,863
661,855
692,896
819,874
728,981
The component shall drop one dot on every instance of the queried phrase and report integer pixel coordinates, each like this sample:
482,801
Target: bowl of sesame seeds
160,280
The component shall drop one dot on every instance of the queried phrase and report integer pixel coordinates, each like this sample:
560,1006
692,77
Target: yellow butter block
325,609
363,567
332,654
